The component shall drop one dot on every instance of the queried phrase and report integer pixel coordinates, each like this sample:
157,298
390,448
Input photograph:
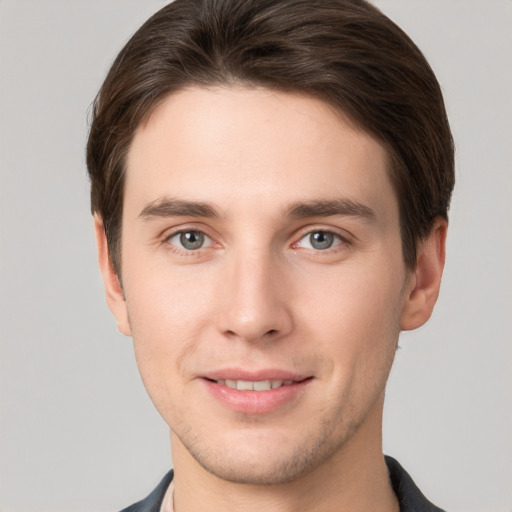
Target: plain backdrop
77,432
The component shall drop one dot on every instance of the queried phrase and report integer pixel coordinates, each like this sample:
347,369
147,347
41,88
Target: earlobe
425,281
113,289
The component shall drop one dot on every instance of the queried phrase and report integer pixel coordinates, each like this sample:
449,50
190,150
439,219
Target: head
270,181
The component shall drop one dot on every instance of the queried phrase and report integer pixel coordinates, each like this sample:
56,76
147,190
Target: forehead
223,145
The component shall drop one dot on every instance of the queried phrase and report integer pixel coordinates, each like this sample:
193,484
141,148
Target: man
270,185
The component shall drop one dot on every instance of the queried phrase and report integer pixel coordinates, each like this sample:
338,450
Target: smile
258,395
260,385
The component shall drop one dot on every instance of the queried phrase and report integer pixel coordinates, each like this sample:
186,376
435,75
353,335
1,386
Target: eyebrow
171,207
326,208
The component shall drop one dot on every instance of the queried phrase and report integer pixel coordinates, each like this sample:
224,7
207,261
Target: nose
253,304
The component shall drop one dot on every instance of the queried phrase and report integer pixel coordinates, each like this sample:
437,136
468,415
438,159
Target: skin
258,295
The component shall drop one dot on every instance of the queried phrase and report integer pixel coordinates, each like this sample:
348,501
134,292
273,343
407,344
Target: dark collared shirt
410,498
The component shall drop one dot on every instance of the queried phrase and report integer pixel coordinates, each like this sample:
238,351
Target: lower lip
256,402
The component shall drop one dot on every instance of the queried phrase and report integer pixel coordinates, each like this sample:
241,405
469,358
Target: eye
320,240
190,240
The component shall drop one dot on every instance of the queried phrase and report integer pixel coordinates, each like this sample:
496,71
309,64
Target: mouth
258,385
257,395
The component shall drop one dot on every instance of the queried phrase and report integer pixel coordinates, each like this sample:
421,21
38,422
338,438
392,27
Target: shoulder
153,502
410,498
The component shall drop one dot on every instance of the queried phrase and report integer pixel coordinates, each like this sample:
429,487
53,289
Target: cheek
354,298
165,299
168,312
355,318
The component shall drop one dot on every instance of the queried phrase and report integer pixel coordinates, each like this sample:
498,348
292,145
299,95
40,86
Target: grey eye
321,240
189,240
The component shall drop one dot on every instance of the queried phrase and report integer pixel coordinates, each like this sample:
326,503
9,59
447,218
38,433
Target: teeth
262,385
244,385
249,385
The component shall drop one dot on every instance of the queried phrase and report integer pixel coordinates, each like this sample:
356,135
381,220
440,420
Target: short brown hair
344,52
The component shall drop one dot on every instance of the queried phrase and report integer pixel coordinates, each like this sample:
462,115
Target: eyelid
183,228
179,233
345,238
306,240
177,230
341,234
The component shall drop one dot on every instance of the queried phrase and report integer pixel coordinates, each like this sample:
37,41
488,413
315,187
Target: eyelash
339,241
182,250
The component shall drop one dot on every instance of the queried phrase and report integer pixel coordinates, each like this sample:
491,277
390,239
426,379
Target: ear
423,287
113,289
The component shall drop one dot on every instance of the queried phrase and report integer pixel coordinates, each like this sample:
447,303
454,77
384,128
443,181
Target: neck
355,478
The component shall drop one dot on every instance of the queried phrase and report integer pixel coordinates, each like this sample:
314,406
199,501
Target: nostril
272,331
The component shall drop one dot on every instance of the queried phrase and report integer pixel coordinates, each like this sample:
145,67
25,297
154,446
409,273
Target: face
263,278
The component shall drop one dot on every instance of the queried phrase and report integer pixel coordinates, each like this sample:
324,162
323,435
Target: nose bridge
254,307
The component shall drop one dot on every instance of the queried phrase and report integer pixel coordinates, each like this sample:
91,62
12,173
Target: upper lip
254,376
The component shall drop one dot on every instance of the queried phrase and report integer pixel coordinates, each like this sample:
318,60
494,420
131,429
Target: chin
269,461
251,471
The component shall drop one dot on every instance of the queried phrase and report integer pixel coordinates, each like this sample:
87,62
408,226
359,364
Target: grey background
77,432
